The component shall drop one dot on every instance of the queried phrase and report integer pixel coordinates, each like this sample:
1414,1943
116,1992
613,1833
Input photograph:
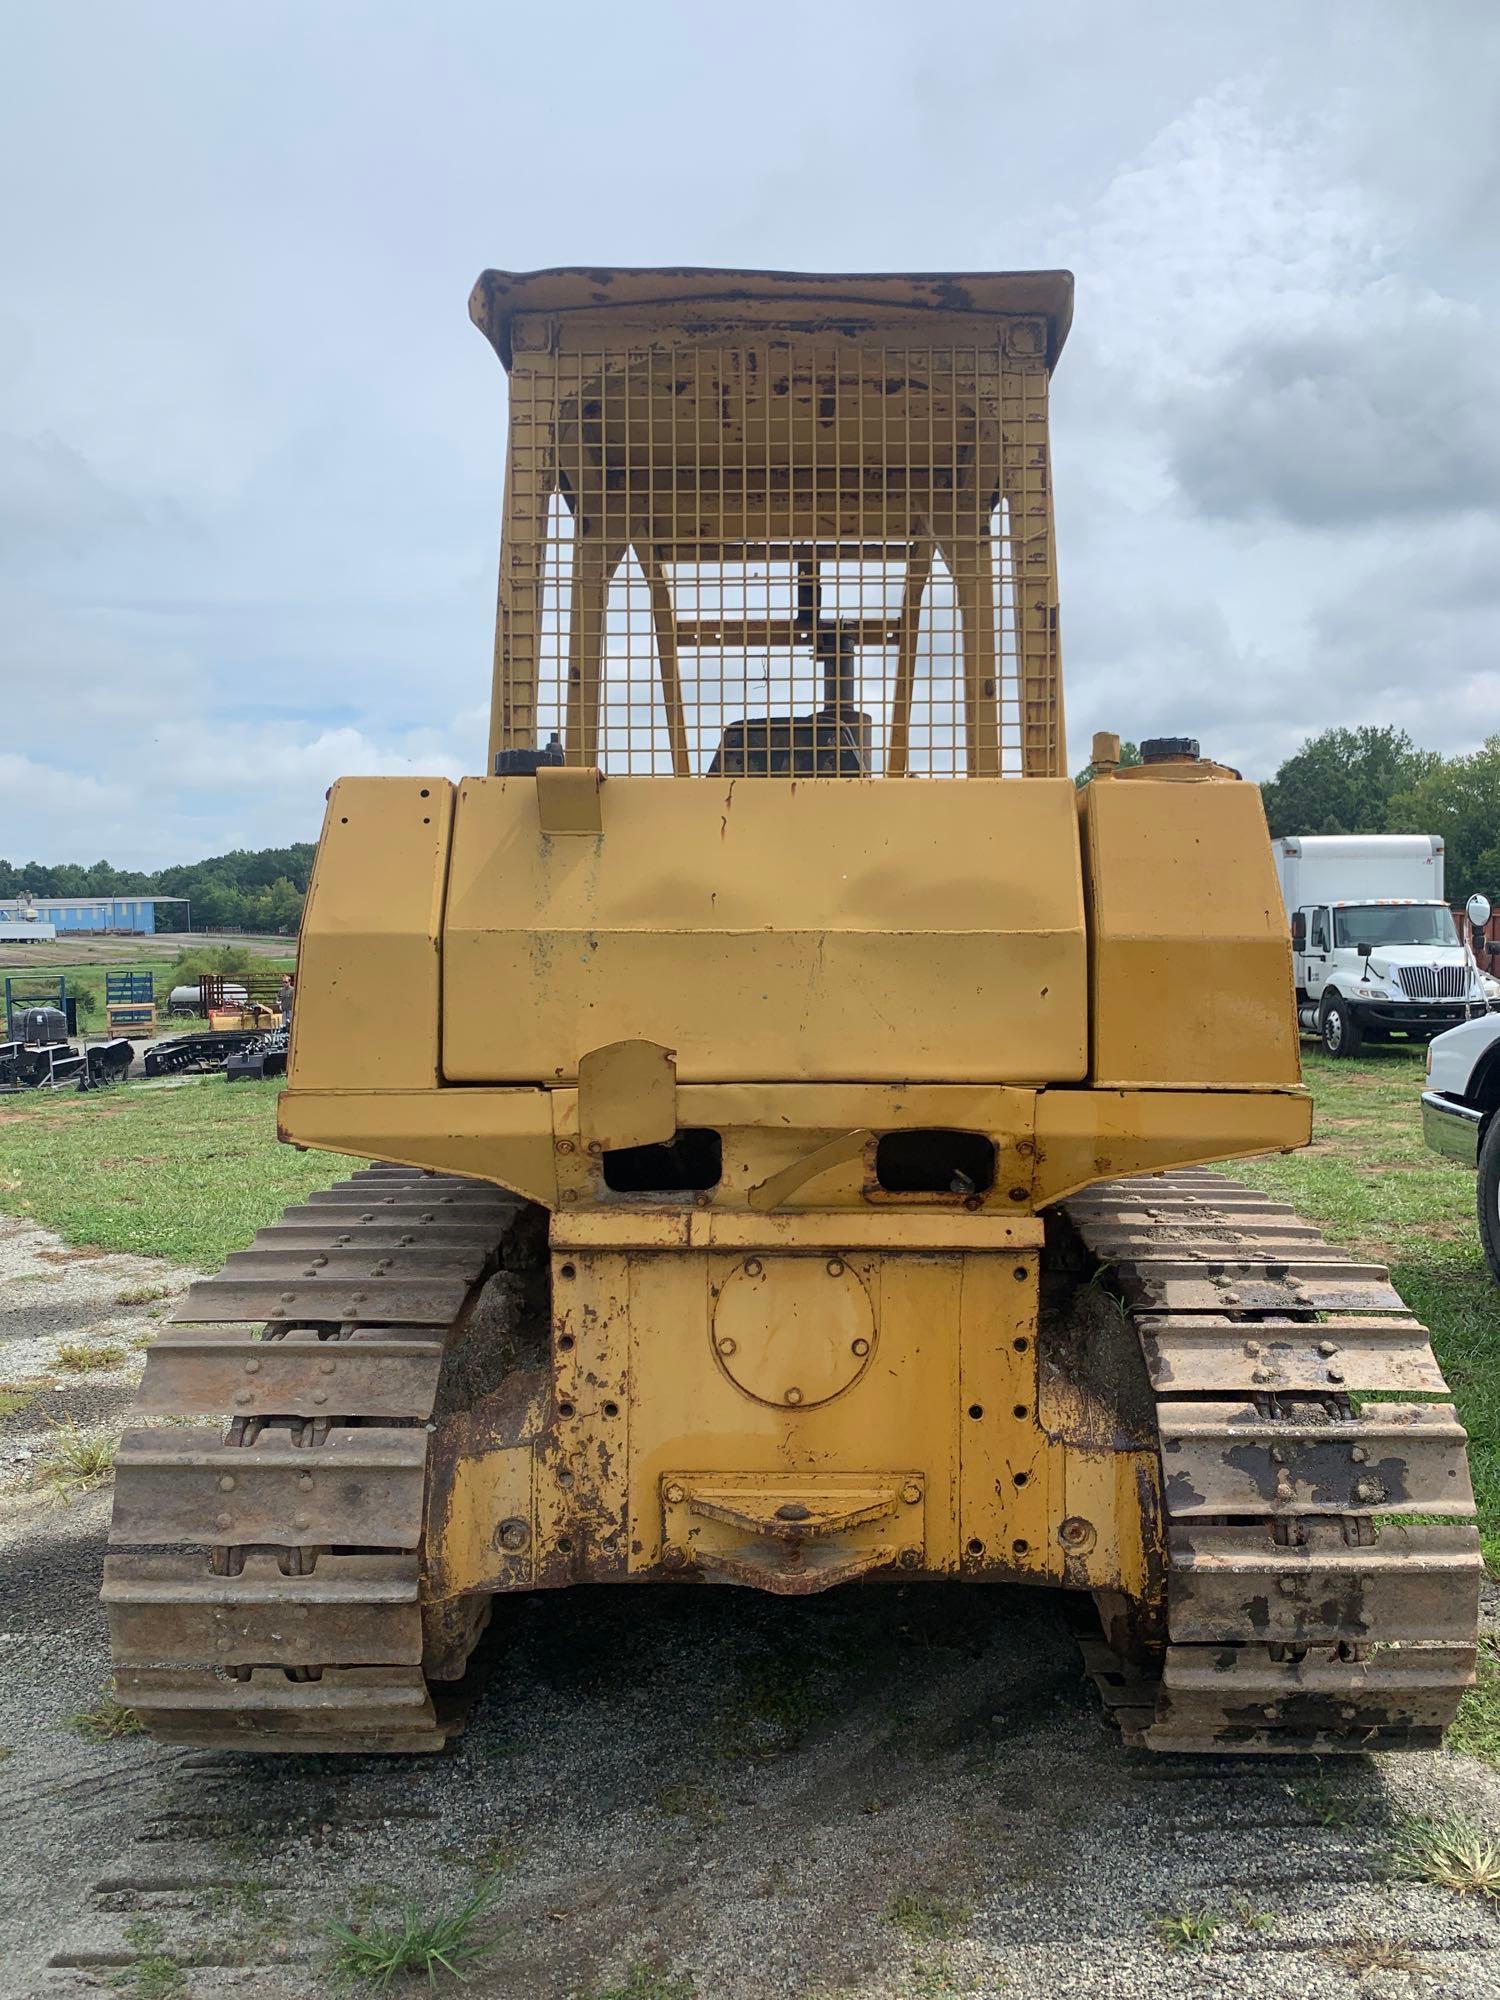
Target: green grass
924,1918
153,1976
188,1174
372,1951
1450,1853
107,1721
87,1358
141,1295
642,1983
1369,1182
75,1461
1477,1729
1188,1930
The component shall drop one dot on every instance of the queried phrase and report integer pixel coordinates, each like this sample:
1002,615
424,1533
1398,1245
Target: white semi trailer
1374,946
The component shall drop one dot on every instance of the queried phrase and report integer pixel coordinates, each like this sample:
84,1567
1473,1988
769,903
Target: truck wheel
1489,1197
1342,1034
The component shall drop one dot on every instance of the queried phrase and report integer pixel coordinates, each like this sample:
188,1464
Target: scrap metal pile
43,1058
215,1049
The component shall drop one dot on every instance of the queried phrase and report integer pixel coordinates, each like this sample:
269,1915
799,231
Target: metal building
130,914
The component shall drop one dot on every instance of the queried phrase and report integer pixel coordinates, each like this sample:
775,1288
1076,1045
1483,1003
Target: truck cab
1383,968
1374,946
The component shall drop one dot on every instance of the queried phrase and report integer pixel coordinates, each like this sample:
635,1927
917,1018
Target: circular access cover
793,1331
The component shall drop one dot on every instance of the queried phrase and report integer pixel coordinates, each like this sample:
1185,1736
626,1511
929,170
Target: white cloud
1270,412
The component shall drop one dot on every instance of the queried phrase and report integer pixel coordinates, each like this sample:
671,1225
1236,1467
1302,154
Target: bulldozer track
265,1590
1322,1566
1321,1563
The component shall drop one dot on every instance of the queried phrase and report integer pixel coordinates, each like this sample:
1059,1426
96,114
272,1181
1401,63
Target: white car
1461,1115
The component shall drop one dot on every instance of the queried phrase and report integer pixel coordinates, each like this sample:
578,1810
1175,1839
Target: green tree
1458,799
232,960
1130,753
1343,781
283,905
253,890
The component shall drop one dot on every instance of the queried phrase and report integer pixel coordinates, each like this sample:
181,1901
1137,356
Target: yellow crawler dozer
793,1101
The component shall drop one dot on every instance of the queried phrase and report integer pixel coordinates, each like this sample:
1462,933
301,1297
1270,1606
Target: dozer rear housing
819,1033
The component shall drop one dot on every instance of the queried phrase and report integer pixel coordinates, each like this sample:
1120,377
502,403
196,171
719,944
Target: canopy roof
500,295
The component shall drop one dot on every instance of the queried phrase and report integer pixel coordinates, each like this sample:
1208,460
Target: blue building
135,915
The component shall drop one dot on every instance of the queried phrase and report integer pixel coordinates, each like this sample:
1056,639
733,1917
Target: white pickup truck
1461,1111
1374,947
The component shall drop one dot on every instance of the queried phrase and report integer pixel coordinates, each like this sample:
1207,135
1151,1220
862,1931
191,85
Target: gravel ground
880,1793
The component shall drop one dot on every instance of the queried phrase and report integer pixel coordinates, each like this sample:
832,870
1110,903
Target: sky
251,447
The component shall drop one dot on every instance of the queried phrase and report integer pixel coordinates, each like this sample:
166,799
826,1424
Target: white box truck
1375,949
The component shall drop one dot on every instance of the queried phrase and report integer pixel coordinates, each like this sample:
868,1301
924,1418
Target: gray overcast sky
250,445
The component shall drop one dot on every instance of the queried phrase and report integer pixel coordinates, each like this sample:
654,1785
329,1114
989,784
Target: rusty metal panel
583,1473
1010,1474
1126,1230
341,1263
444,1195
1176,1284
1415,1582
362,1487
1189,1355
739,1229
1230,1458
374,1697
1156,1242
293,1237
791,1535
413,1301
207,1374
1137,1201
349,1740
352,1610
1244,1687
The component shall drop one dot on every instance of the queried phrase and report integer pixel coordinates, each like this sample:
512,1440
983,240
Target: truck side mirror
1477,910
1364,950
1299,931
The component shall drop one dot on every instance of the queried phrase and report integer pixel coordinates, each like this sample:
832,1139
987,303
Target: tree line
1378,781
246,890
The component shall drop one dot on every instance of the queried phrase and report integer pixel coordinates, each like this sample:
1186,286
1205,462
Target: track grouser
793,1102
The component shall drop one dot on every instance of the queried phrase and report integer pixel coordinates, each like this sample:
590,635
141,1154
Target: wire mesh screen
778,557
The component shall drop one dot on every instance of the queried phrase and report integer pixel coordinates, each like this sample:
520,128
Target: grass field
187,1173
112,948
